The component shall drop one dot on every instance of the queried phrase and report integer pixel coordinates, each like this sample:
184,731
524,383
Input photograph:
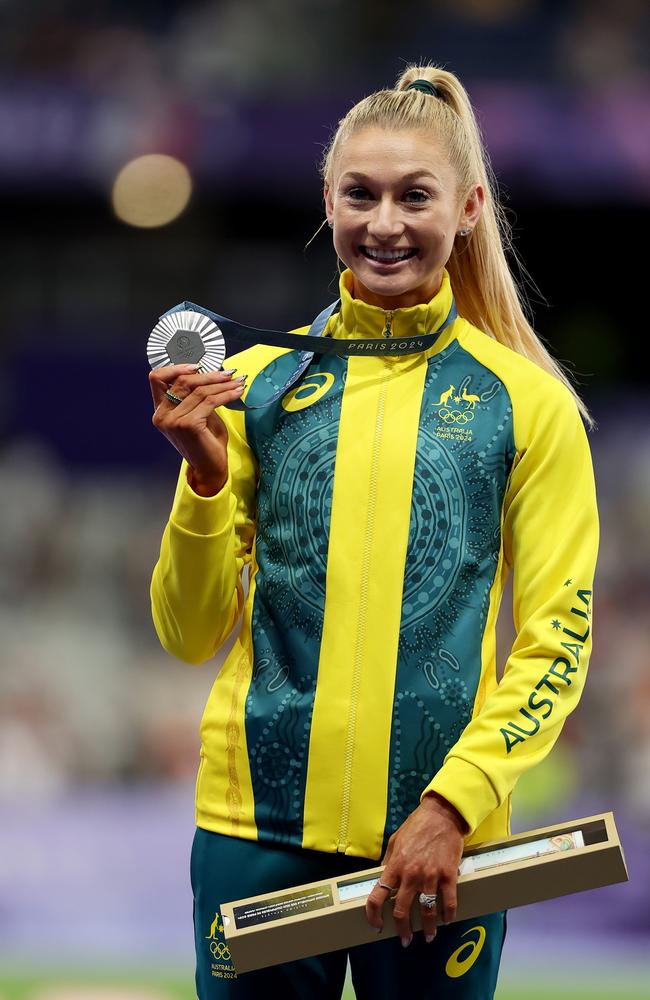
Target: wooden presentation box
495,875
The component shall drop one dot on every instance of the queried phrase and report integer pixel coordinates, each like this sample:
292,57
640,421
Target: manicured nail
189,368
229,371
429,938
406,941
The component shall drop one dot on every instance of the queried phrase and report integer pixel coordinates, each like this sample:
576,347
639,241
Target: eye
423,194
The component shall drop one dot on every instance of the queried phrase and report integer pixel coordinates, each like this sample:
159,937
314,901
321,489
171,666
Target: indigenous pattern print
453,549
296,451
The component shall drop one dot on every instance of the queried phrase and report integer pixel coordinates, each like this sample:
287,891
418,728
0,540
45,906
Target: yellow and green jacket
381,507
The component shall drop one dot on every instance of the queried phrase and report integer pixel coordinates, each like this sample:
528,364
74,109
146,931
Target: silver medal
186,338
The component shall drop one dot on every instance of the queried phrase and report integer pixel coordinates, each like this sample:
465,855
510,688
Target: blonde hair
485,290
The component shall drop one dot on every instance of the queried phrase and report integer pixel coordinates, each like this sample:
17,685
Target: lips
394,255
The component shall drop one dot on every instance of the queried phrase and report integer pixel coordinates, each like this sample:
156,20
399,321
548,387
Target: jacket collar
357,319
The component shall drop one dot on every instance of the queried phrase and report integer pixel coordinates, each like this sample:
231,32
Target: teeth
387,254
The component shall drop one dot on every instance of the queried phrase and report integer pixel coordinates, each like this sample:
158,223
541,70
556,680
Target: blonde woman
380,507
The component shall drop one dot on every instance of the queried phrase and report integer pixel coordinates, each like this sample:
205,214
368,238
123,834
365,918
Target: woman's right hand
194,428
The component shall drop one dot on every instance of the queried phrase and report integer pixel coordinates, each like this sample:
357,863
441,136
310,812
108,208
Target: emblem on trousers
219,949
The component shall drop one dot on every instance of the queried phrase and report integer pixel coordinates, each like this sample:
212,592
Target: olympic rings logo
220,950
455,416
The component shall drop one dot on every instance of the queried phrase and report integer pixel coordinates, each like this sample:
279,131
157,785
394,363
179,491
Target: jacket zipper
389,319
362,622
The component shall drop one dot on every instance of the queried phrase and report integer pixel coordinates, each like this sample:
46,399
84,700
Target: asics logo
309,392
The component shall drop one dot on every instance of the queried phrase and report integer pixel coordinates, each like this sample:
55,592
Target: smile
388,256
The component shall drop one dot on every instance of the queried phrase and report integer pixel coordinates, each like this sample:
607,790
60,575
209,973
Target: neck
414,297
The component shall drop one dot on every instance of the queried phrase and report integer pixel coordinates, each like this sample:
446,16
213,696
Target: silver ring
383,885
428,900
174,399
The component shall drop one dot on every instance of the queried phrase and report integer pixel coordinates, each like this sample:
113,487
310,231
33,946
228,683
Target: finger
164,378
386,858
206,398
375,904
195,420
449,898
429,917
193,413
161,378
402,912
182,382
185,384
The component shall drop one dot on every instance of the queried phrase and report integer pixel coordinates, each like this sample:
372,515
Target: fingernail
189,368
229,371
379,929
429,938
406,941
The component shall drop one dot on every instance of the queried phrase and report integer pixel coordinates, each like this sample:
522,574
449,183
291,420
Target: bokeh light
151,190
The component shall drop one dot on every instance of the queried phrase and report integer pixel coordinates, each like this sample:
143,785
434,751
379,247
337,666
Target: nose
384,222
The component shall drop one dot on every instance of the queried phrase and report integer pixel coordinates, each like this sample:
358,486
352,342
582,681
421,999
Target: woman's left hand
422,855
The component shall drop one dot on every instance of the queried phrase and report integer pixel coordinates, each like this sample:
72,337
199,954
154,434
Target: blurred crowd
148,48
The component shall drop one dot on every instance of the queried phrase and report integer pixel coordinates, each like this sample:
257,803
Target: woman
380,508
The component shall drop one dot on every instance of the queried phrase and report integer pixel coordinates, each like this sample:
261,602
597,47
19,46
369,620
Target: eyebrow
358,175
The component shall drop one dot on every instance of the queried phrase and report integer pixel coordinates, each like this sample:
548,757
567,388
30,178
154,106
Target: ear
329,204
473,206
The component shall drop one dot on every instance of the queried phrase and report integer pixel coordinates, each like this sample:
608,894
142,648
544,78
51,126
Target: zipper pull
389,319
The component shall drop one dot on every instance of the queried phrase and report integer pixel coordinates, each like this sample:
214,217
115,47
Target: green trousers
462,961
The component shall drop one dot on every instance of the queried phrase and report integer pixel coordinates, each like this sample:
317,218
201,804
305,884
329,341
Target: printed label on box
287,905
522,852
356,890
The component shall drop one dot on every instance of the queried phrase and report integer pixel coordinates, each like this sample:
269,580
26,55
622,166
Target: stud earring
464,232
330,224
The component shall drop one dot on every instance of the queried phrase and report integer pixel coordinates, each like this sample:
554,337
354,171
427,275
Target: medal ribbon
313,342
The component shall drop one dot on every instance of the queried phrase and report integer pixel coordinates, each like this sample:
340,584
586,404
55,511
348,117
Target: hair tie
425,87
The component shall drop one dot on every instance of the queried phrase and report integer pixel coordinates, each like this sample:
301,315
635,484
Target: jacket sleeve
196,587
550,535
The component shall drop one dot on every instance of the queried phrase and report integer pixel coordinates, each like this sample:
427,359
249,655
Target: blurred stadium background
98,726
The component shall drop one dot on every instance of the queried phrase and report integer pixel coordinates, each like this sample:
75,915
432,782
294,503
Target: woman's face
396,191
